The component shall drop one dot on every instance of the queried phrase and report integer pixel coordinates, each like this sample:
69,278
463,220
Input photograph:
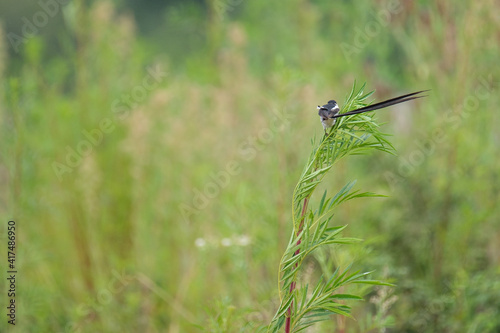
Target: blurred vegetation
117,237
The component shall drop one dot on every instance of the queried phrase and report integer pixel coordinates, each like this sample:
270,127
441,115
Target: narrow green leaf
284,307
304,295
338,311
374,282
346,296
321,203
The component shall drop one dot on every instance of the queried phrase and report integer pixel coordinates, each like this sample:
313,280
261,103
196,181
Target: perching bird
330,111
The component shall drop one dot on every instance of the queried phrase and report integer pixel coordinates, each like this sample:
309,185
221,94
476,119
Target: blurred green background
150,150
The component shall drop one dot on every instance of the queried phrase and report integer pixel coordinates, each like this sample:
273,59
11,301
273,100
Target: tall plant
301,307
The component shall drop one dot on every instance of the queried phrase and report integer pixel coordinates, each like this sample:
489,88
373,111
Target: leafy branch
351,135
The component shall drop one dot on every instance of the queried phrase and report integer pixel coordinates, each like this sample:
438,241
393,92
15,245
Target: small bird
330,111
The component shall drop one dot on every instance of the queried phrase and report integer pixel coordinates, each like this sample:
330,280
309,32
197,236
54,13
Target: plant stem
292,285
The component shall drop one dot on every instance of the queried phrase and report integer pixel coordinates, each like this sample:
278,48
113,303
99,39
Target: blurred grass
107,249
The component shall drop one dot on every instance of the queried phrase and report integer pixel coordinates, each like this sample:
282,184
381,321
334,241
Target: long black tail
384,104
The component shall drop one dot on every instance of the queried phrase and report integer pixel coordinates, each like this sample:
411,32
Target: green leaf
321,203
346,296
337,310
284,307
375,282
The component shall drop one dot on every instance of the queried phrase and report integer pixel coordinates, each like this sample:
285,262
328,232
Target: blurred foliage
139,198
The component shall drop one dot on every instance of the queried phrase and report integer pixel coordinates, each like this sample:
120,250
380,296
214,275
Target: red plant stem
292,285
